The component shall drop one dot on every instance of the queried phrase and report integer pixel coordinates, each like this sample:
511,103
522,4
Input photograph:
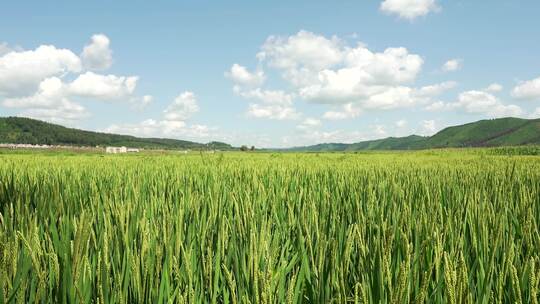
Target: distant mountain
19,130
390,143
484,133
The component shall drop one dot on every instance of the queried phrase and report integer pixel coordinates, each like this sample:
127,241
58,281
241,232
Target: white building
132,150
115,150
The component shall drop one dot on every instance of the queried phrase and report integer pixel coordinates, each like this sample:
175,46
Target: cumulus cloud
391,98
314,135
347,111
527,90
326,70
66,112
494,88
49,103
97,55
146,100
51,92
309,124
481,102
409,9
162,128
21,72
35,80
173,123
363,75
428,127
272,111
182,108
4,48
270,104
140,103
268,96
105,87
401,123
59,102
242,77
303,49
436,106
452,65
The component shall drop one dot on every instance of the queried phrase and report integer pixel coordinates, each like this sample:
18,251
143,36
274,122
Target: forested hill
484,133
19,130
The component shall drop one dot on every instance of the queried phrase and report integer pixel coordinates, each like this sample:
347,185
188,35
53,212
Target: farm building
132,150
115,150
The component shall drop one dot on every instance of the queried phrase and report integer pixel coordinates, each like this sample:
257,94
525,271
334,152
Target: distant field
436,226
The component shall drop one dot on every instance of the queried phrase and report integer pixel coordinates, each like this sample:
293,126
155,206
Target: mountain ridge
22,130
508,131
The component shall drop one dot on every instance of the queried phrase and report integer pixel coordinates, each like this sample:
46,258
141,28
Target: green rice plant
440,226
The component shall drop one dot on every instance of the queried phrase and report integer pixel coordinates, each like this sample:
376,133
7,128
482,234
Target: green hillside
21,130
483,133
390,143
488,133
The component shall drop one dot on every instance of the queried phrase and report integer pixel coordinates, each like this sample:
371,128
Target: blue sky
270,74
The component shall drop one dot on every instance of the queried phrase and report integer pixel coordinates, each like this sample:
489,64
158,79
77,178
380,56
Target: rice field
449,226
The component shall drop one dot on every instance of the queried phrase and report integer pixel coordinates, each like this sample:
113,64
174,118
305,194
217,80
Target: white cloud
241,76
392,98
428,127
146,128
480,102
409,9
347,111
49,103
362,75
172,124
494,88
182,108
309,124
21,72
268,96
35,81
277,105
97,55
328,71
163,128
310,136
436,106
401,123
4,49
272,111
436,89
379,131
140,103
51,92
66,112
527,90
105,87
303,49
54,97
452,65
145,101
